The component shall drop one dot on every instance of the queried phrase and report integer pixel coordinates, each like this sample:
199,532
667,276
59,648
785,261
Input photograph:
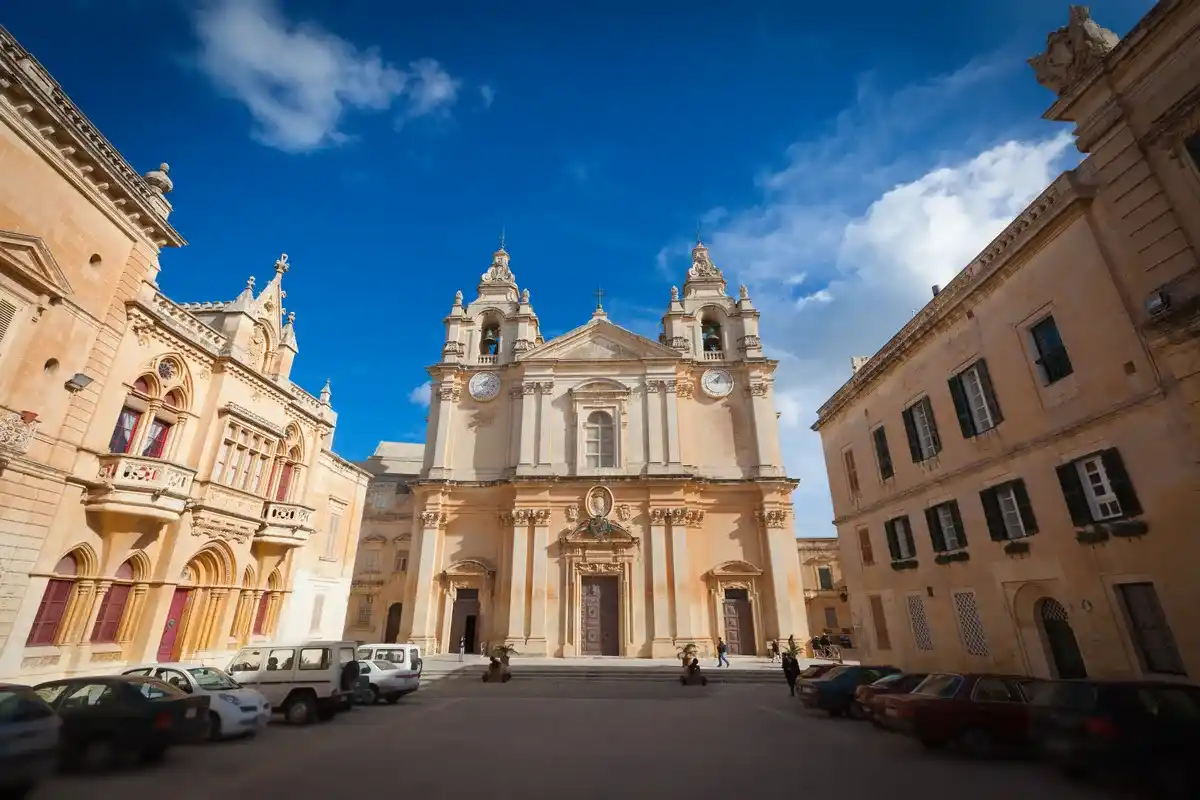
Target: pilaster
448,394
536,644
669,397
528,427
766,428
654,426
83,634
520,520
787,590
431,521
545,459
685,601
662,645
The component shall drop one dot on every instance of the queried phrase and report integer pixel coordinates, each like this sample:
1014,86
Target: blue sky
842,156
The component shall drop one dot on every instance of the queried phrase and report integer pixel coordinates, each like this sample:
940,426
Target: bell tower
497,325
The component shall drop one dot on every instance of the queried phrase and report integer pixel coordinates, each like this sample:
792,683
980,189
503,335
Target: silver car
28,740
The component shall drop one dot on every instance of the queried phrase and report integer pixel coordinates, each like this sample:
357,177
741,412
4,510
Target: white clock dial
717,383
484,385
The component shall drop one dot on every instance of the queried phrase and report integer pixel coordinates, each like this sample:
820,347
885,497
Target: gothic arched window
600,440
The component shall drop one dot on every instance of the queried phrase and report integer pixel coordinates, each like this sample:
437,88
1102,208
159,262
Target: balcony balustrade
142,487
286,524
16,432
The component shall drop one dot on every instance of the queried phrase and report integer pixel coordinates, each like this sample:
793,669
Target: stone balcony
813,594
140,487
286,524
16,432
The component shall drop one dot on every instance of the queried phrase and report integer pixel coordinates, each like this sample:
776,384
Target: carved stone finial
1072,51
458,297
281,264
159,179
250,283
674,293
291,318
525,296
326,392
743,292
702,265
499,272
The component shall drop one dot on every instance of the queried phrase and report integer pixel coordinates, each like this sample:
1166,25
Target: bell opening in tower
710,330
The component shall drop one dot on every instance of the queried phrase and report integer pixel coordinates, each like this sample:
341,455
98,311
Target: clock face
484,385
717,383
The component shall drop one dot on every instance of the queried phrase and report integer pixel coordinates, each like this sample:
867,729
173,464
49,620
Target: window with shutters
333,536
946,527
55,599
970,625
922,637
825,578
370,560
364,611
883,456
1008,512
879,621
400,564
831,620
1097,488
864,547
318,611
1052,362
851,472
8,318
923,439
1148,628
900,539
974,399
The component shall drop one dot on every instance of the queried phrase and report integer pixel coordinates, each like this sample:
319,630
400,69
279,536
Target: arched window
151,411
489,339
711,335
112,607
55,600
599,440
264,616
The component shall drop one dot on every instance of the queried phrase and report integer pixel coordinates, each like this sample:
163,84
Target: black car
115,718
1146,731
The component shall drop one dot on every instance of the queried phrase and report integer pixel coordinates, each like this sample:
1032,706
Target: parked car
815,671
1142,729
868,699
110,719
387,680
303,681
29,731
834,690
408,655
234,710
977,712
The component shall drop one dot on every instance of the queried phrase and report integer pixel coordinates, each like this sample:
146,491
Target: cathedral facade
600,493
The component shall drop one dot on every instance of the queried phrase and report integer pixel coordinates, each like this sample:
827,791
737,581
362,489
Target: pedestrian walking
722,649
774,649
791,671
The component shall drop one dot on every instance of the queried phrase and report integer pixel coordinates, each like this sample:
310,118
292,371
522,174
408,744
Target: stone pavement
582,741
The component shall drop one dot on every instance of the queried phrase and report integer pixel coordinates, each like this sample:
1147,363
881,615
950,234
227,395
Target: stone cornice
995,264
788,484
246,415
47,112
345,466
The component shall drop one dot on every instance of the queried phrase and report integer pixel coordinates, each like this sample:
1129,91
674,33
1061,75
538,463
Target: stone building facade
602,493
381,569
1014,475
826,597
166,491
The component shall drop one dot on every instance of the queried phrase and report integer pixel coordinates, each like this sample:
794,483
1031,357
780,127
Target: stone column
423,634
545,445
536,646
654,424
672,424
766,430
79,612
518,577
662,645
787,591
447,395
685,599
83,634
132,619
528,422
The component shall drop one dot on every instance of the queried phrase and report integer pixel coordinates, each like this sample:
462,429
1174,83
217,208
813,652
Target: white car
234,710
389,681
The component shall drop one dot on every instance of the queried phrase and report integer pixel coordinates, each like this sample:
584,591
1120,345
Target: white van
303,680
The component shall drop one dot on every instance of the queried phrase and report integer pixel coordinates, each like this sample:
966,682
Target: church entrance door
739,623
392,631
464,621
601,624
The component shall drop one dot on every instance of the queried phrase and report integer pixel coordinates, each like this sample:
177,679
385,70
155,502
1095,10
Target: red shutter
50,613
260,617
112,608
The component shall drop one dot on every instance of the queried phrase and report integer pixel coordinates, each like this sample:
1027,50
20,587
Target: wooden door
466,607
739,623
166,645
392,630
600,611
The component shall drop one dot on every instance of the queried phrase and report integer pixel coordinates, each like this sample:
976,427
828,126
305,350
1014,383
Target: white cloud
298,81
421,394
837,264
488,95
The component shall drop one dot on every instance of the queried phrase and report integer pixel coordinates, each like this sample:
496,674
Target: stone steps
618,674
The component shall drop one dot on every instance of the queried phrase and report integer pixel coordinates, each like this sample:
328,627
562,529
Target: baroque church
600,493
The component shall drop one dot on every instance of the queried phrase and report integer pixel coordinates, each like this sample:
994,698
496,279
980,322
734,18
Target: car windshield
213,679
387,666
154,689
833,673
888,680
939,686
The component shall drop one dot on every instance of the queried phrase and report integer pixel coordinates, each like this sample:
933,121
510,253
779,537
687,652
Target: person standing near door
722,649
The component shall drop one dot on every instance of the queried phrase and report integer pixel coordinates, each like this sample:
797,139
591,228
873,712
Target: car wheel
214,726
373,695
98,755
976,742
300,710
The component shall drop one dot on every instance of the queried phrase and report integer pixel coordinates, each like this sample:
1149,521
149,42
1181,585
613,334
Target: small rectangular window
851,472
825,578
314,658
401,562
864,547
1052,361
831,620
1008,511
974,399
331,540
946,527
900,539
1097,488
370,561
923,439
379,500
1147,624
883,456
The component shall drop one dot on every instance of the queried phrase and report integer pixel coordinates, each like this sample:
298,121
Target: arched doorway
1062,649
392,630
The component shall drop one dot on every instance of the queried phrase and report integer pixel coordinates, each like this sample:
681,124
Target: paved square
575,739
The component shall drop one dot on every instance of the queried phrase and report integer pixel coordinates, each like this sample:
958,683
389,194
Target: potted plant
498,670
687,653
504,652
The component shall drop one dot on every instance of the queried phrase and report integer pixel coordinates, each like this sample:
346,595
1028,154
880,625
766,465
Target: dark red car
868,700
978,712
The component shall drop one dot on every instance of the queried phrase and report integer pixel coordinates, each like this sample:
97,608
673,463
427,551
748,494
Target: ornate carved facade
602,493
173,489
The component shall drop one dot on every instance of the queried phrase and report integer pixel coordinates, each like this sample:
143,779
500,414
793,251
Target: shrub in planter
687,653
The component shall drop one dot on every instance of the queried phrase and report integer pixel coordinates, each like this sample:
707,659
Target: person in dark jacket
791,671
